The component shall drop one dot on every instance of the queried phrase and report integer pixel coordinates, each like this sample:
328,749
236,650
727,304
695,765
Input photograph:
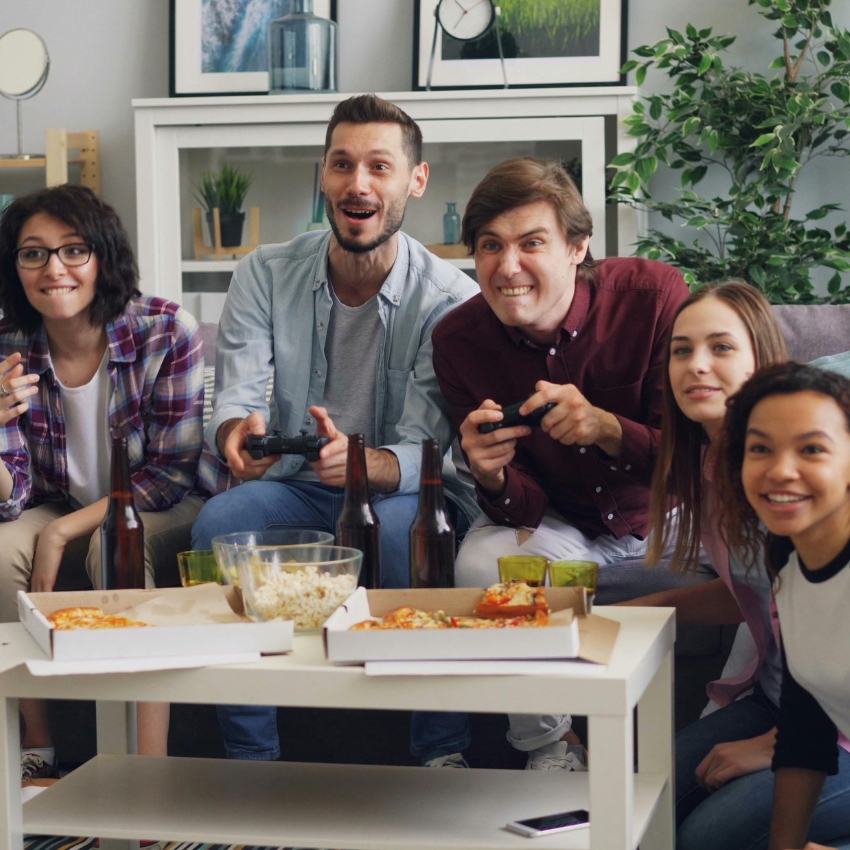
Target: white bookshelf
280,138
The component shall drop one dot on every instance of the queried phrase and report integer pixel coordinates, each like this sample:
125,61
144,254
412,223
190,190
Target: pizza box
561,640
203,620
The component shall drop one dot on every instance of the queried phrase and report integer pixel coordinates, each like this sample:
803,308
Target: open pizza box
203,620
572,634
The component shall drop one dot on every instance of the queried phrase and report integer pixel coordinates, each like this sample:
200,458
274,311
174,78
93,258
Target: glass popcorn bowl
227,546
301,583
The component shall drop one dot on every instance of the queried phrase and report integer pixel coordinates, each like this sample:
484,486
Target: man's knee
217,516
476,564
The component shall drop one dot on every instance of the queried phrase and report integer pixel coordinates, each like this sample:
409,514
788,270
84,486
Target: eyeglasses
36,257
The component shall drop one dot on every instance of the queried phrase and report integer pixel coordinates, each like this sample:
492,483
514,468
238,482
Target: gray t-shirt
354,336
351,350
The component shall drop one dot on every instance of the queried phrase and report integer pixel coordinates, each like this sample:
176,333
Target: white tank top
86,412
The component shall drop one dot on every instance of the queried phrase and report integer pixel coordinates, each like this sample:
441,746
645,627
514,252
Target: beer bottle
359,526
122,535
432,538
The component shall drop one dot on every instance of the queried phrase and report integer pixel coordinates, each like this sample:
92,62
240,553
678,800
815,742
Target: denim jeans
250,732
738,815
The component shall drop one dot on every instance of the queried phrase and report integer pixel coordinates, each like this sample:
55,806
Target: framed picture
544,43
221,46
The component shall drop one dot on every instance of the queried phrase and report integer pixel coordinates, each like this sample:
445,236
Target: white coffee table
121,796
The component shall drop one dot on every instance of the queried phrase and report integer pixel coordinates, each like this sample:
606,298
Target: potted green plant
225,189
753,135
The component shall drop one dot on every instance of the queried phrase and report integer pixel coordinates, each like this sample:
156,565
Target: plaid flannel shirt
156,367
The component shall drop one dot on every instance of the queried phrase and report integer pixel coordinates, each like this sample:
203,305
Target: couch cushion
815,330
835,363
209,330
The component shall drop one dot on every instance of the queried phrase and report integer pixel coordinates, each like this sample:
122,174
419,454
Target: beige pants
166,534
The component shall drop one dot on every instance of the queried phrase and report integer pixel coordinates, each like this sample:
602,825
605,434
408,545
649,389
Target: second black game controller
308,445
512,417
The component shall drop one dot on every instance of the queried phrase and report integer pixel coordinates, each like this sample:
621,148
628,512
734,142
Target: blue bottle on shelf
302,52
451,225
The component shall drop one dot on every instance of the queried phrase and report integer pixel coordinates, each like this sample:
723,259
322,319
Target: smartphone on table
548,824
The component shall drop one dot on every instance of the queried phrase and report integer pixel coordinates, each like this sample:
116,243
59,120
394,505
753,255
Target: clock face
465,20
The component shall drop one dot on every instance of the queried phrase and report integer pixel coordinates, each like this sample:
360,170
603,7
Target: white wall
103,53
106,52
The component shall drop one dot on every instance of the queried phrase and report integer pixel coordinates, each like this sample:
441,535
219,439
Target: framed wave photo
543,42
221,46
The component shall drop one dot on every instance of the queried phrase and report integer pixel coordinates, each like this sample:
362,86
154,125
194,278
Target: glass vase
451,225
302,52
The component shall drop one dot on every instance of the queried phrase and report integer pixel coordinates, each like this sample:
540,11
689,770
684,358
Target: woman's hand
15,388
732,759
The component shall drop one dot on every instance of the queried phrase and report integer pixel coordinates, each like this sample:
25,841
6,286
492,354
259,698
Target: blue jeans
250,732
738,815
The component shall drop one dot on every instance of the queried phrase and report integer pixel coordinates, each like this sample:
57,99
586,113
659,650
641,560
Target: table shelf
315,805
121,797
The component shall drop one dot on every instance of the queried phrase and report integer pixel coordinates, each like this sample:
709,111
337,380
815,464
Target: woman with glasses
84,357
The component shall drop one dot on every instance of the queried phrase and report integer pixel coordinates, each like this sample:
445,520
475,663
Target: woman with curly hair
785,461
85,358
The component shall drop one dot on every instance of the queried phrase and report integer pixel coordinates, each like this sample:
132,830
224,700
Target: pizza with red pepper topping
512,599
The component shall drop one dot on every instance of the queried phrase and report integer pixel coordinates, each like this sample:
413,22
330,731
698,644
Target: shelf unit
58,142
456,124
122,797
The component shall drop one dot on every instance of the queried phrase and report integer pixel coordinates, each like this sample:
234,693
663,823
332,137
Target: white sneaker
557,756
452,760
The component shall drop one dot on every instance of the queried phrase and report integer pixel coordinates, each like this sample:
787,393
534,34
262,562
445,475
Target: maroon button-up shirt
611,347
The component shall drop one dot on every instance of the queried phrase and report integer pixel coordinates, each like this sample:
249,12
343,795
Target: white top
86,411
813,607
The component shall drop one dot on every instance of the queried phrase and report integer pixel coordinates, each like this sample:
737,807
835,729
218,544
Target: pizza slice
511,599
90,618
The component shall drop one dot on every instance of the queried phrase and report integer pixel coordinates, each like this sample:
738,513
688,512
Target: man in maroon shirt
588,337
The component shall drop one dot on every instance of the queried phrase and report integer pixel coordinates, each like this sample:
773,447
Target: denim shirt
275,323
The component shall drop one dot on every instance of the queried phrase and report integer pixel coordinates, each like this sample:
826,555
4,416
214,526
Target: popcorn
306,596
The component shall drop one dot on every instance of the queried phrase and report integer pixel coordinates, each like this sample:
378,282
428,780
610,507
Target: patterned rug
53,842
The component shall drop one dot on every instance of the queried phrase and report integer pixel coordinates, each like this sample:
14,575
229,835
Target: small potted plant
225,189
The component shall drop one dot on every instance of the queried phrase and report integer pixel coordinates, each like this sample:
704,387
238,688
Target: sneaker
33,766
558,756
452,760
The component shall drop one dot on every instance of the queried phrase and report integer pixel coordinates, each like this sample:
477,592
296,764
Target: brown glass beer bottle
432,538
359,526
122,535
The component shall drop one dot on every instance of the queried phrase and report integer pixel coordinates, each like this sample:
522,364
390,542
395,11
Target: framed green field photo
544,43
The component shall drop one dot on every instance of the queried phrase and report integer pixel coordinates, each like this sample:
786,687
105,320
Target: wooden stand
218,250
55,161
450,252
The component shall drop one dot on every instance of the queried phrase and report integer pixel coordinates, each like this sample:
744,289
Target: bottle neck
431,483
120,488
356,478
301,7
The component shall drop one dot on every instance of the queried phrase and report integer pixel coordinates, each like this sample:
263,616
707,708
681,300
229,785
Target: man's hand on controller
575,421
489,454
332,458
231,439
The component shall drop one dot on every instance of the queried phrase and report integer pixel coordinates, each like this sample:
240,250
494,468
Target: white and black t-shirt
813,610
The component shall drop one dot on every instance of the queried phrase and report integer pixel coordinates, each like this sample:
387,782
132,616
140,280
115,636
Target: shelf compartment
360,807
204,266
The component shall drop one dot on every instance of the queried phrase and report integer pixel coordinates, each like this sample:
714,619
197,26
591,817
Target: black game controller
512,417
276,444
